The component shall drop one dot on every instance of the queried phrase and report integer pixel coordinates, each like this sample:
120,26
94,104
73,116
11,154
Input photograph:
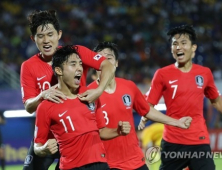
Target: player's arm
217,103
123,127
157,116
42,146
98,62
50,147
51,94
110,133
107,73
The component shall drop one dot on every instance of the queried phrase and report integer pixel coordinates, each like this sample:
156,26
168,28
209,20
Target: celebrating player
118,101
38,82
183,86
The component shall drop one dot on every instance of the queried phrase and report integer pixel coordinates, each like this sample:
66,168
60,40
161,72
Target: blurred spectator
138,27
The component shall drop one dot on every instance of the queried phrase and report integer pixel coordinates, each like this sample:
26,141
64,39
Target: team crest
199,80
91,106
28,159
127,100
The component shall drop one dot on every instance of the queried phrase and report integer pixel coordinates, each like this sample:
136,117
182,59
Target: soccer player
183,86
76,125
118,101
38,82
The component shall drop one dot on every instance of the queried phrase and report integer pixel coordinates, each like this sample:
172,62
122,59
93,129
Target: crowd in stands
139,28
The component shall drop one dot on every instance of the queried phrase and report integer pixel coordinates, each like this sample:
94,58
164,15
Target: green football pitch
218,163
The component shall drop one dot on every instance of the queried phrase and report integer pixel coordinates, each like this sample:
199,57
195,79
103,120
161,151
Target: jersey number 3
106,117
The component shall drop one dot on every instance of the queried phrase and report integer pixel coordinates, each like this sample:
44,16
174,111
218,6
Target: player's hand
124,128
185,122
90,95
142,123
51,146
53,95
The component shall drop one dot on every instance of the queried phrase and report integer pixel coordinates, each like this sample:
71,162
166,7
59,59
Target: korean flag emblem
127,100
97,57
91,106
199,80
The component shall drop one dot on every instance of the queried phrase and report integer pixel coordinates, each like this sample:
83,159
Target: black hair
62,55
183,29
109,45
42,18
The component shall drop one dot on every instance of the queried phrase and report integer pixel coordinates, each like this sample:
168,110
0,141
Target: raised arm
107,73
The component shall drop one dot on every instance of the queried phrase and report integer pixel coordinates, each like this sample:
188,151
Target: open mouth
47,47
77,77
180,55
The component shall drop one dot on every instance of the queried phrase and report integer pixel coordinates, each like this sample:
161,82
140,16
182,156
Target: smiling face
47,39
71,72
182,49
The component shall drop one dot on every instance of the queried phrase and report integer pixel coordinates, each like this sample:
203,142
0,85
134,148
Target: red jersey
75,126
184,94
123,152
37,75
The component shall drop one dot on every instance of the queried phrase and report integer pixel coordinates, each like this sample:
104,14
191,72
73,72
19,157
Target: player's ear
194,47
32,38
116,63
58,71
60,34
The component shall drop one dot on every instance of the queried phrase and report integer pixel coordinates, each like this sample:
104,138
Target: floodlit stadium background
137,26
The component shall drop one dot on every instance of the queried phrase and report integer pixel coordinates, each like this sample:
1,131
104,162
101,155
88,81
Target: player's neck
111,88
70,93
47,59
184,67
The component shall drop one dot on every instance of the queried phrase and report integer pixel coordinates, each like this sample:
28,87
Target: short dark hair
62,55
37,18
183,29
109,45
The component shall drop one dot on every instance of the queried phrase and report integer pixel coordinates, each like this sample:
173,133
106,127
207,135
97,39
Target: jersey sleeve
99,116
155,92
140,105
90,58
211,90
42,123
28,83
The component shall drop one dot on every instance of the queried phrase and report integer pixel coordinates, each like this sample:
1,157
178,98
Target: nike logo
170,82
38,79
60,115
103,105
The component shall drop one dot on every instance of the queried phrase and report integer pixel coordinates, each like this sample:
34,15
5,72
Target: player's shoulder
82,89
167,68
46,104
124,82
202,68
33,59
165,71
